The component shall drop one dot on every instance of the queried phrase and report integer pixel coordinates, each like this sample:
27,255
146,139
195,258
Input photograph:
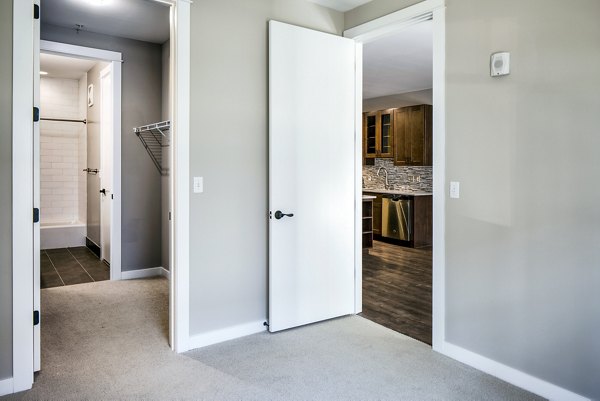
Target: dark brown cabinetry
376,212
421,219
367,223
422,222
378,134
413,136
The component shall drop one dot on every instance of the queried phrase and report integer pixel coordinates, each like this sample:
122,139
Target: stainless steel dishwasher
396,217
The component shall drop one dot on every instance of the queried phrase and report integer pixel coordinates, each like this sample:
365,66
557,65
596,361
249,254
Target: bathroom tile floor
68,266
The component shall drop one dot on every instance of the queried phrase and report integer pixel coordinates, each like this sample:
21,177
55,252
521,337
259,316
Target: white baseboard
226,334
166,273
508,374
144,273
6,386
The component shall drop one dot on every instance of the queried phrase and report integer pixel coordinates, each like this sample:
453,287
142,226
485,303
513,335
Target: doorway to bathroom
77,164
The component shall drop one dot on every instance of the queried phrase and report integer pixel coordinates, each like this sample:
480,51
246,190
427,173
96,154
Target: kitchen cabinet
376,212
413,136
378,134
367,223
421,220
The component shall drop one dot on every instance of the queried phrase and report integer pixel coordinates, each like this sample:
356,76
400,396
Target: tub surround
62,152
62,235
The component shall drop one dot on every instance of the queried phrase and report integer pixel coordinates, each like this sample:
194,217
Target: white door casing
106,161
37,362
311,175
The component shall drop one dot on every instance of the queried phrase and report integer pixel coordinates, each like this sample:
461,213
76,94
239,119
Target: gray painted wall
522,250
6,189
228,147
141,104
397,101
93,154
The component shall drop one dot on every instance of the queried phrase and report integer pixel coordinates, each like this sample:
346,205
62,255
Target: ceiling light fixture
43,73
99,2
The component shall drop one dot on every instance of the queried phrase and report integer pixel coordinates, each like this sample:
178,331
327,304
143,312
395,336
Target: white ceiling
340,5
64,67
144,20
399,63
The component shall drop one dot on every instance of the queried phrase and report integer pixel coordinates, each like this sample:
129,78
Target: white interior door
36,196
311,175
106,160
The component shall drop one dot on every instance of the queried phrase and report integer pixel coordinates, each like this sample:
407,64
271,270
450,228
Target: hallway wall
141,104
6,37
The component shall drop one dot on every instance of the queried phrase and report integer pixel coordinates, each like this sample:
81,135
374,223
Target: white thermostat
500,64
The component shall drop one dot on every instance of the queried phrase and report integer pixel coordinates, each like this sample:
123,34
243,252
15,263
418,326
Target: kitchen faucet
387,184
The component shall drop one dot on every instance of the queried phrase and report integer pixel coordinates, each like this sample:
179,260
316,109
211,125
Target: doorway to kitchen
397,180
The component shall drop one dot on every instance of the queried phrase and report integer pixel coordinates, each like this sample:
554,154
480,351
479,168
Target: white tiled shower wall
62,151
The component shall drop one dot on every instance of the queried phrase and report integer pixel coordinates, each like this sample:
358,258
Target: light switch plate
454,189
198,185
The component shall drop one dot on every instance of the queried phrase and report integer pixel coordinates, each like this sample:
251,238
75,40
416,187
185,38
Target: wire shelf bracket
155,137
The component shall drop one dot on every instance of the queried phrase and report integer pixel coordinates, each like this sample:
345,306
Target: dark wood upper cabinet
370,134
378,134
413,136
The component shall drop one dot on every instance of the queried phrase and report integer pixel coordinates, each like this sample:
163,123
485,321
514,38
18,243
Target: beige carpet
108,341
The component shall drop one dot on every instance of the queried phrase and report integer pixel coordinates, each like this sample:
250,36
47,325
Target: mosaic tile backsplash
397,176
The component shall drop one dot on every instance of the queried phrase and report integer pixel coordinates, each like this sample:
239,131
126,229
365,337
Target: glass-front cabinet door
378,134
386,134
370,134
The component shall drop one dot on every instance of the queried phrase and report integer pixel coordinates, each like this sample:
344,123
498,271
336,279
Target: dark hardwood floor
397,289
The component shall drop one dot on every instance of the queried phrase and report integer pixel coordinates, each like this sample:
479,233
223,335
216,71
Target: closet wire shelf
155,137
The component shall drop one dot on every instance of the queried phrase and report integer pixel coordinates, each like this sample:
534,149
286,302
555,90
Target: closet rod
64,120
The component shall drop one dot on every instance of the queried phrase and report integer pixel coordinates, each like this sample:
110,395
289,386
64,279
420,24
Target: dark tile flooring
67,266
397,289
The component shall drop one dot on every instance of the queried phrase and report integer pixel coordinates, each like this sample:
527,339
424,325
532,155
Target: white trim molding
22,195
358,170
79,51
508,374
179,305
6,386
226,334
394,22
145,273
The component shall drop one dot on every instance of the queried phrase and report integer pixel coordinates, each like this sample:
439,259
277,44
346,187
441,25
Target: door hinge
36,215
36,317
36,114
169,216
36,11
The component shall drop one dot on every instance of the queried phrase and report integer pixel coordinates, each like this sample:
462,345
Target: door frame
394,22
108,71
114,59
22,185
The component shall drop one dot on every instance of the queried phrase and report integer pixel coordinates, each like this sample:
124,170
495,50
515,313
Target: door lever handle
279,214
103,191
